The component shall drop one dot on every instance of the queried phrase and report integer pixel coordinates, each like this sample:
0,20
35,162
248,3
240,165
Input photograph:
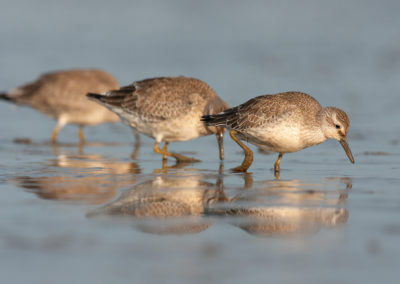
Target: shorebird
284,123
62,96
167,109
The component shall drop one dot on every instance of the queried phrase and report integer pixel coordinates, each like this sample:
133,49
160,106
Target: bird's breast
284,139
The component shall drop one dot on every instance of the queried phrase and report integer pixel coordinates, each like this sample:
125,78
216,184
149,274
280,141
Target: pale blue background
344,53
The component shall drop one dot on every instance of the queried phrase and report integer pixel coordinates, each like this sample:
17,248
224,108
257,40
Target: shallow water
105,213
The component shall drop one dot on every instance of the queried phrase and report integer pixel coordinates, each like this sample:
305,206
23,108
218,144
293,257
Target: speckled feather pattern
284,122
266,110
165,108
162,98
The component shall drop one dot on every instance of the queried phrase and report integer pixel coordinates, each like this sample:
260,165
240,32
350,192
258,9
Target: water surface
101,213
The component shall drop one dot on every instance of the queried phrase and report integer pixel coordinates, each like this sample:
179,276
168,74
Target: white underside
283,138
181,129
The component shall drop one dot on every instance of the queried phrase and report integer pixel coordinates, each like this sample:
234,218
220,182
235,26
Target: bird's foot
240,169
183,159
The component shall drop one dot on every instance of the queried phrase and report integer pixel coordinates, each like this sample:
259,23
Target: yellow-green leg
164,150
179,158
248,158
277,166
157,149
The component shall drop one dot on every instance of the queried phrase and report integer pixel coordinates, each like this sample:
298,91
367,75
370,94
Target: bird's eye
337,126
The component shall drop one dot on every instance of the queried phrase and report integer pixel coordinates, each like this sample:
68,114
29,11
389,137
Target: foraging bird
167,109
283,123
62,96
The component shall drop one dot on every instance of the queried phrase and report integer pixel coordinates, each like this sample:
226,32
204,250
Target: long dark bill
346,148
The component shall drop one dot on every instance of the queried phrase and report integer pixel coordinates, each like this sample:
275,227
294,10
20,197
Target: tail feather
214,119
112,98
94,96
220,119
4,96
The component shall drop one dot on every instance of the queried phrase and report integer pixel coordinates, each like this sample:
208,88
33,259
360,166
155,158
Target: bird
167,109
62,96
284,123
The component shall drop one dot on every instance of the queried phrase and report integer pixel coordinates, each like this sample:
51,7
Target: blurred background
345,53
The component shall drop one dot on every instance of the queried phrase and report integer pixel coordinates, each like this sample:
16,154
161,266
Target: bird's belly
284,139
171,130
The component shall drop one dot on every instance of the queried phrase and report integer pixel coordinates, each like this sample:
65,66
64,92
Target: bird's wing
155,98
257,112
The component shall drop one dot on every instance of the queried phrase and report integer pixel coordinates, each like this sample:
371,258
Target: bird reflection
58,147
287,208
168,203
83,178
178,200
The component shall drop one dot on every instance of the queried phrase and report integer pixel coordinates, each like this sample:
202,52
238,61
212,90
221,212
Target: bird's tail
111,98
100,98
5,97
221,119
94,96
215,109
213,119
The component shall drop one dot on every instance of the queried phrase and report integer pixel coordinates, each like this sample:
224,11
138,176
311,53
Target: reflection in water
286,221
61,146
168,203
181,201
284,208
87,189
84,178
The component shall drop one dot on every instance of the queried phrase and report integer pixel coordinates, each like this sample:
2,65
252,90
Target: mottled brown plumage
62,96
167,109
283,123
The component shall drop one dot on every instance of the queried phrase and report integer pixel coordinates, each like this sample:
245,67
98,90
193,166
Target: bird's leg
136,147
277,165
178,157
220,139
138,141
56,130
81,135
164,150
157,150
54,134
248,158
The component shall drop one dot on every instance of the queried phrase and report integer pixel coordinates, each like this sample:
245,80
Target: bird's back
266,110
61,92
164,98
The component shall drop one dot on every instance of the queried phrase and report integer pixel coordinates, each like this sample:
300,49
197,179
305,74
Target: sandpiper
62,96
167,109
284,123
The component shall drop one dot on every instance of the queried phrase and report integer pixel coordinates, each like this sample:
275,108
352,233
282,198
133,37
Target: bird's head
335,125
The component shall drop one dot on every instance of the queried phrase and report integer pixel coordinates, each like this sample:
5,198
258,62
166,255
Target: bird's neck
316,135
